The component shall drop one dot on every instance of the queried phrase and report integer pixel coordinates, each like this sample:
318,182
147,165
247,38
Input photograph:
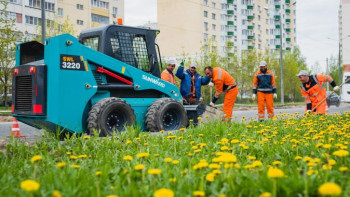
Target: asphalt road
5,127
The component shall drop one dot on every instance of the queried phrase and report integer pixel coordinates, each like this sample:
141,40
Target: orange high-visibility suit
225,82
168,76
313,92
264,86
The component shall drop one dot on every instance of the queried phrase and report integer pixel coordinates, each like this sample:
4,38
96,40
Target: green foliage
53,28
8,39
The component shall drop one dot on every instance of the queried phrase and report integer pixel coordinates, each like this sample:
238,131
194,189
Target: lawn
305,156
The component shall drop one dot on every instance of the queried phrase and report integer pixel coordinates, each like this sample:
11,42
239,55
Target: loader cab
131,45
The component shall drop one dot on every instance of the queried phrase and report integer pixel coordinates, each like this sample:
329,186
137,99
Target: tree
54,28
8,39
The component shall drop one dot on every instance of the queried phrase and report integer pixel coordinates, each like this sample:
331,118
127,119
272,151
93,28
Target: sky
317,25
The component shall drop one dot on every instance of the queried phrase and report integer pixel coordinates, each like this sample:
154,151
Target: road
5,127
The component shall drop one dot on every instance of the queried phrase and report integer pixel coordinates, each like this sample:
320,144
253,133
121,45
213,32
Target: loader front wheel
110,115
166,114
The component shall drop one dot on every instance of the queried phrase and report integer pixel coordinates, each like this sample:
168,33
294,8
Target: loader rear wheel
165,114
110,115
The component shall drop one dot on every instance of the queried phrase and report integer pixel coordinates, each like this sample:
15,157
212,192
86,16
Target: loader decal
72,62
154,81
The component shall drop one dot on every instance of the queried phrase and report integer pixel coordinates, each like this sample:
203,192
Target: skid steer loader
107,79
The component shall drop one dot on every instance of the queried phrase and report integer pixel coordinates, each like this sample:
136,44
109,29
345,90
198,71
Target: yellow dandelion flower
275,173
30,185
163,192
98,173
216,172
199,193
61,164
154,171
329,189
172,180
75,166
68,153
210,177
214,166
82,156
277,163
56,193
128,142
36,158
72,157
343,169
327,146
142,155
127,158
156,155
176,162
112,195
331,162
265,194
222,195
298,158
341,153
168,160
139,167
86,137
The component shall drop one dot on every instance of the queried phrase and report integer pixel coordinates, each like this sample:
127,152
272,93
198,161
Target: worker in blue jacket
191,83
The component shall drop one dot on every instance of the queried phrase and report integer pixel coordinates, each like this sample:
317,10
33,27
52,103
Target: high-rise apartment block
81,14
233,24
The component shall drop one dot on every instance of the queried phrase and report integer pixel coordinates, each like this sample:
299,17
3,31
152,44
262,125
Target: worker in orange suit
167,74
313,91
264,88
223,82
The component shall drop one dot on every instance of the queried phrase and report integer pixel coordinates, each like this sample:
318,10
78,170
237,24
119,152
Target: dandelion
176,162
72,157
68,153
127,158
154,171
142,155
86,137
172,180
265,194
163,192
199,193
75,166
156,155
329,189
275,173
139,167
82,156
98,173
343,169
210,177
36,158
275,163
30,185
56,193
112,195
168,160
298,158
341,153
128,142
214,166
61,164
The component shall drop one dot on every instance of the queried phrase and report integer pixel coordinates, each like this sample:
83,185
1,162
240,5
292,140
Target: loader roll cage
133,46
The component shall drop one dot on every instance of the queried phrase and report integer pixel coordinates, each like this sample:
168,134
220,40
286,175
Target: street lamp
43,21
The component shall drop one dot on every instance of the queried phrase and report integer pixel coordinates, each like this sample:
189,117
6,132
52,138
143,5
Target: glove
253,97
308,112
212,104
211,84
336,89
201,99
275,96
182,63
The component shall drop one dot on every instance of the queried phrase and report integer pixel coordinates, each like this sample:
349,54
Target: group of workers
264,88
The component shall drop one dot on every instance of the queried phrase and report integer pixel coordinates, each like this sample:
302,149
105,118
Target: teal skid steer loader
107,79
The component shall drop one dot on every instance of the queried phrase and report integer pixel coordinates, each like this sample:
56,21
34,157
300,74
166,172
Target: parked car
334,99
2,100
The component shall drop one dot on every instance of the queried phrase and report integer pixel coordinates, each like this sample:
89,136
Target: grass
302,148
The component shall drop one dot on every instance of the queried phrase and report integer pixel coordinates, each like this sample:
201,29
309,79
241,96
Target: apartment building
81,14
233,24
344,33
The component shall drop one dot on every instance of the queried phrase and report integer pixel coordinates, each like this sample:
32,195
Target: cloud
139,12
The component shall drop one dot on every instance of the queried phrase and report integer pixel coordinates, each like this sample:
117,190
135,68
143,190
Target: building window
80,22
259,17
206,26
206,14
259,27
213,16
60,11
80,7
35,3
33,20
267,21
99,19
15,1
60,28
100,4
49,6
213,26
115,11
18,18
205,36
213,5
214,37
267,31
205,2
267,1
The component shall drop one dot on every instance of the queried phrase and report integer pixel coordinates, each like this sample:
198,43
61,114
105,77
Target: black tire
166,114
110,115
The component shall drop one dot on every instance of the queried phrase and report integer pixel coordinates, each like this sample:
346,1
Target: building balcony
250,26
230,33
288,20
287,1
229,44
250,7
229,12
288,11
229,1
278,7
250,17
278,26
278,46
278,36
287,29
277,17
288,39
250,47
230,23
250,37
230,54
288,48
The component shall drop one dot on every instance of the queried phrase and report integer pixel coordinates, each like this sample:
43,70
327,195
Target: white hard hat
172,61
263,63
303,73
193,65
